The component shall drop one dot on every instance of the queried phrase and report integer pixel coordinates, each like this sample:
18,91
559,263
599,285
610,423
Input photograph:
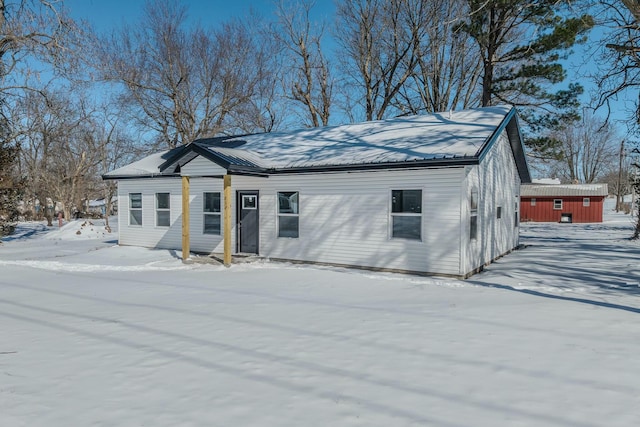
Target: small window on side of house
473,215
211,213
135,209
557,204
533,201
406,214
586,202
289,214
163,209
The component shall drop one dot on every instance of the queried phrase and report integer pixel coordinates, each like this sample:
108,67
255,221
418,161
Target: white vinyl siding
200,167
168,237
344,218
498,184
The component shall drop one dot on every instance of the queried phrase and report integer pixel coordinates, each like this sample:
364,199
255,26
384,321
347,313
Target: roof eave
426,163
106,177
510,123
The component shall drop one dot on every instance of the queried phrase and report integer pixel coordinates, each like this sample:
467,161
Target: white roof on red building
553,190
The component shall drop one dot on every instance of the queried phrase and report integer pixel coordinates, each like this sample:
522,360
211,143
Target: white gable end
202,167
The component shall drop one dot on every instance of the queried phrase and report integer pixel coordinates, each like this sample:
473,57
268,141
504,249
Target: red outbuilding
562,203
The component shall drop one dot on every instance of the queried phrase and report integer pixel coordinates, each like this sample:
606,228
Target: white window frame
555,204
286,214
246,197
586,202
167,209
473,213
405,214
206,213
131,208
533,201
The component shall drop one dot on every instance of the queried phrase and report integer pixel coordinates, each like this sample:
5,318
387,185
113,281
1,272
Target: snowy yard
99,335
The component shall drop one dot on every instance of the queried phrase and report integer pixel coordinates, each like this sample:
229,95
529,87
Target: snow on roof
144,167
545,181
436,136
410,138
557,190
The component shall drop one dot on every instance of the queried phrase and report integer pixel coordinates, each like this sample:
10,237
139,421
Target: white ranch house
430,194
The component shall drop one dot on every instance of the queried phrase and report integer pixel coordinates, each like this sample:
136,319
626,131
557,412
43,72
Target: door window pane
249,202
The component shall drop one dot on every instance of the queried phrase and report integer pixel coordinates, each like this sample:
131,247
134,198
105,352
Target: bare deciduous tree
588,150
380,43
448,62
185,81
308,76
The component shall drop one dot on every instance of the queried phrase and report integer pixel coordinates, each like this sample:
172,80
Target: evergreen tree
521,45
10,187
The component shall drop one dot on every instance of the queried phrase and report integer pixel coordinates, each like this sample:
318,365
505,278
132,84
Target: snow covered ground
93,334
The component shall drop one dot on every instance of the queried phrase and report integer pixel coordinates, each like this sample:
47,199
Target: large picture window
288,214
135,209
163,210
212,212
406,214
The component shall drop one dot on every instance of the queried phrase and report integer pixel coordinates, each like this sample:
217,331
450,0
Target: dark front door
248,221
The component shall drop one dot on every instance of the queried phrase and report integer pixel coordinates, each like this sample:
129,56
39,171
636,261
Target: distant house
563,203
431,194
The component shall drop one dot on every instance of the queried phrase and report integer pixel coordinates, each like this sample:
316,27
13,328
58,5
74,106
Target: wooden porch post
185,218
227,220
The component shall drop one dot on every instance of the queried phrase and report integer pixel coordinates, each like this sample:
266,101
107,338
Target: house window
533,202
288,214
406,214
135,209
557,204
499,212
473,215
163,212
211,213
586,202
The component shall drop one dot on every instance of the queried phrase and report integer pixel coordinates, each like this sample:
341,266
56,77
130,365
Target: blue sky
109,14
